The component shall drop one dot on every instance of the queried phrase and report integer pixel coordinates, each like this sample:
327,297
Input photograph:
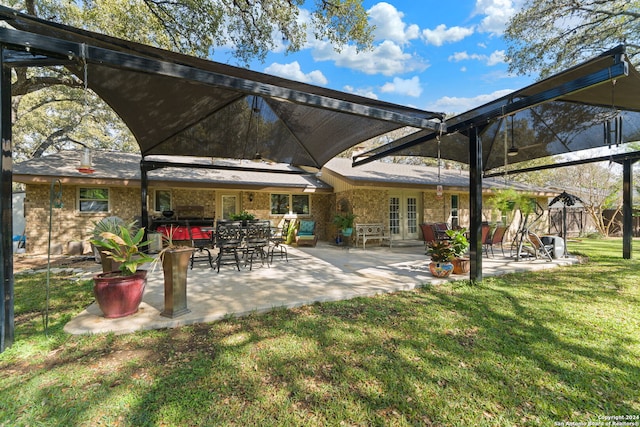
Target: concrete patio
314,274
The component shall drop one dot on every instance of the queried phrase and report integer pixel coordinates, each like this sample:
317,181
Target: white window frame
290,197
79,200
155,198
455,212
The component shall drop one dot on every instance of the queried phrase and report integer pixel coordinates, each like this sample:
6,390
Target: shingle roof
417,175
126,167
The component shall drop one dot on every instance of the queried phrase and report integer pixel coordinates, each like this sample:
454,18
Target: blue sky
434,55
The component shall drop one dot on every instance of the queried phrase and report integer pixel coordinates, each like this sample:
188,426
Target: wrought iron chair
228,241
256,240
202,243
277,239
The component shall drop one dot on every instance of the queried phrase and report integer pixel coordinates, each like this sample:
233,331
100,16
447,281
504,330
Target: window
283,204
163,200
455,219
93,199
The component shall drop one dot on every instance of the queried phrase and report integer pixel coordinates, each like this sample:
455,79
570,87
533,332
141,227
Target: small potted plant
344,222
441,256
119,293
243,216
460,245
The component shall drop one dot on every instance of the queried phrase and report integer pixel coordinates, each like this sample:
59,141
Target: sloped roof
180,105
125,168
419,176
562,114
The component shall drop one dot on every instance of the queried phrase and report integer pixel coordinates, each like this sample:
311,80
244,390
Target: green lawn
532,349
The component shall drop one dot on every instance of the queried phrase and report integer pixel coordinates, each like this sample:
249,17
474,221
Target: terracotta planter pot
117,295
461,265
441,269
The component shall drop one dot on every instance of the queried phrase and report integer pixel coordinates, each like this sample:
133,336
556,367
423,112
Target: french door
403,216
229,205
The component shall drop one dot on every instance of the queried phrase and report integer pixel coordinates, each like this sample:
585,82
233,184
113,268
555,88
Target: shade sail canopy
180,105
565,113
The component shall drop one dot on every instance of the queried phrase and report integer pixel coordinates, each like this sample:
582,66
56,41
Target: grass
528,349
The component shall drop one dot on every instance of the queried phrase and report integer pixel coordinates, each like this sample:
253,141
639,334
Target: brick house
399,196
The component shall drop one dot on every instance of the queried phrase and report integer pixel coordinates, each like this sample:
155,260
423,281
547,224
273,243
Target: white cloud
387,58
409,87
497,57
294,72
457,105
389,24
497,14
368,92
441,34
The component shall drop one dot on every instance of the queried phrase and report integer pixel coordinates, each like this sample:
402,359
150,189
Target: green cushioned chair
306,233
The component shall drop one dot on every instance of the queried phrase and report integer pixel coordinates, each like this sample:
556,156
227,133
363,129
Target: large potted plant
110,224
441,256
459,244
175,264
344,222
119,293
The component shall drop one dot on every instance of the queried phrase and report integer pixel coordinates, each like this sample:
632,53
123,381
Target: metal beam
475,204
105,57
153,165
7,325
506,106
618,158
627,208
144,207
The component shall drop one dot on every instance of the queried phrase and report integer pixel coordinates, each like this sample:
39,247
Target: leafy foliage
459,242
124,248
441,251
547,36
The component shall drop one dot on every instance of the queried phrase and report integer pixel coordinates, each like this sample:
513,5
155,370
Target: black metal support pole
627,208
475,204
7,324
144,208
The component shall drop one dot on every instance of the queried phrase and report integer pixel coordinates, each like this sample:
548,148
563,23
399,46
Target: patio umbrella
567,200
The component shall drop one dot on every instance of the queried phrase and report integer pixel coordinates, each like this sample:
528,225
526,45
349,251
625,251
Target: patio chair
428,235
277,239
486,228
440,228
228,242
256,240
496,239
305,234
202,243
539,248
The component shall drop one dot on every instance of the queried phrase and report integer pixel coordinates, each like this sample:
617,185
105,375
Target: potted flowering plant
441,256
460,245
119,293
